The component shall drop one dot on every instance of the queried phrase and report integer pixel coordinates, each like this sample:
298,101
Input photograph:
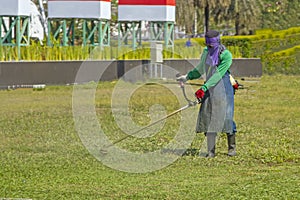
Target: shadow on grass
182,152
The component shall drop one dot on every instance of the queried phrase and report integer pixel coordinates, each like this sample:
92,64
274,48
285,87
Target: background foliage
279,50
272,37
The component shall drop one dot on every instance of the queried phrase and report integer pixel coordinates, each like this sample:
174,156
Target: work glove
200,94
182,78
236,85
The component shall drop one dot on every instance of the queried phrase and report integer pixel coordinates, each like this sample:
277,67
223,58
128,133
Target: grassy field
42,156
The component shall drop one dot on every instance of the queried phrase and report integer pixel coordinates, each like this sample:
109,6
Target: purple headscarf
212,40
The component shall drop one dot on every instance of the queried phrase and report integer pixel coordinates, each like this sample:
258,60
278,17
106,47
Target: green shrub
279,50
263,31
282,62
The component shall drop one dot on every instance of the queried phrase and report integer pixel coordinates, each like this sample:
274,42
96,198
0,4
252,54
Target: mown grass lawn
42,157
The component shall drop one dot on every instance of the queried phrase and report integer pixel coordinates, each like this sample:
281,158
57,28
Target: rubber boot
231,145
211,144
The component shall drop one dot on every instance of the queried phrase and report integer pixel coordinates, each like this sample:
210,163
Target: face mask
213,49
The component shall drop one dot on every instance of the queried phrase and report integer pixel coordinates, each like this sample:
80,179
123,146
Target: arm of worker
199,69
223,67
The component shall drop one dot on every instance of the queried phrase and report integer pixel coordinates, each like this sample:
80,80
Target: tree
243,14
185,15
205,5
210,7
246,15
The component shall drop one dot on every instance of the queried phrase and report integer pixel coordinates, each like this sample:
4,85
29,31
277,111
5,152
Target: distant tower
160,14
92,15
15,23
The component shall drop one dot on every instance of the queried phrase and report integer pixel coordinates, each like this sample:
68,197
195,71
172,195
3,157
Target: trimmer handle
199,100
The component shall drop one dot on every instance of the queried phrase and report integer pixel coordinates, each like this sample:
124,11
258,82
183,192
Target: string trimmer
190,104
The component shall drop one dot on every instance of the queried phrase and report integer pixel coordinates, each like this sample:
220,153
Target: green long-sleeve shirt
223,67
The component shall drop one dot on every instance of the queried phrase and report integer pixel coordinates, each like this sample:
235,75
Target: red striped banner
148,2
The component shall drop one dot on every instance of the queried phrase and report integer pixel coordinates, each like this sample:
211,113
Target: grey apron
216,110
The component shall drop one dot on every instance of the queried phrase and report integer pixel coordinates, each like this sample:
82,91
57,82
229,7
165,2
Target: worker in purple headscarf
216,95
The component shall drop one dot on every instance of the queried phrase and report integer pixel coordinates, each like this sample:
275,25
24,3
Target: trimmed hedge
279,50
282,62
